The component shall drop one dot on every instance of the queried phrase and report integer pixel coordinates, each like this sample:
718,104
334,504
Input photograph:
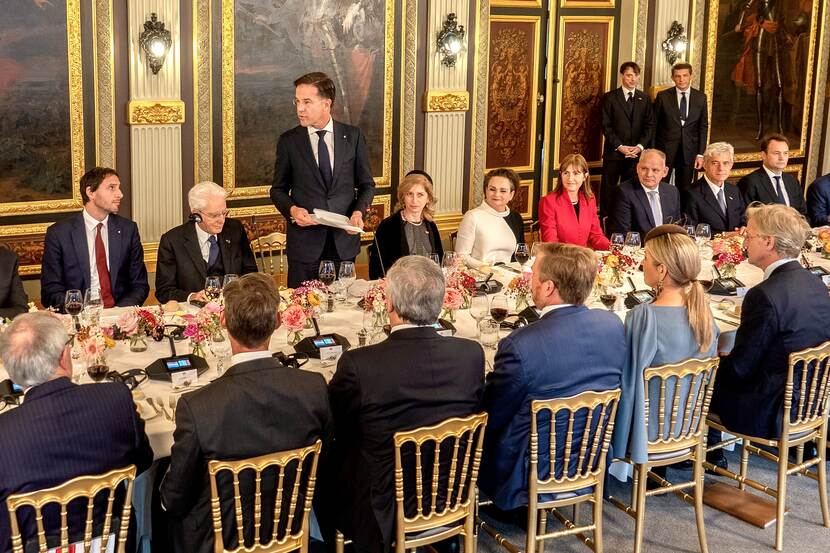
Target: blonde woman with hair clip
674,327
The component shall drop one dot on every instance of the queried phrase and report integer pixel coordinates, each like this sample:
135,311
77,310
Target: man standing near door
628,128
682,116
321,163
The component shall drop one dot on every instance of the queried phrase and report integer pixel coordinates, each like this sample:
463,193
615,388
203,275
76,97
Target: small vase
468,301
521,302
448,315
308,323
294,337
379,319
728,270
138,343
197,348
218,336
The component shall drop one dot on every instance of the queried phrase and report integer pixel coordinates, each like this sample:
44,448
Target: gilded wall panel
511,91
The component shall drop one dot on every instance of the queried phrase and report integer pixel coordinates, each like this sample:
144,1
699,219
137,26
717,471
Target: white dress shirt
715,189
548,308
772,176
328,138
91,224
204,242
404,326
656,211
249,356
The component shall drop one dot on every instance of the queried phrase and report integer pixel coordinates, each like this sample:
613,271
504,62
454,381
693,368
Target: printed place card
183,379
330,355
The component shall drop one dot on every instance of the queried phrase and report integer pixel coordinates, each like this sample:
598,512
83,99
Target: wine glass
479,309
346,276
435,258
632,240
228,278
617,239
522,253
690,230
96,370
450,260
703,233
93,306
608,300
213,287
488,331
326,272
498,308
73,302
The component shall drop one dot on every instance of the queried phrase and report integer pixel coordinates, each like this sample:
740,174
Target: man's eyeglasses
215,216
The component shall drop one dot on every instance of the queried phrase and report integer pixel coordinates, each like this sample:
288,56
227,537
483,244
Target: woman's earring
660,286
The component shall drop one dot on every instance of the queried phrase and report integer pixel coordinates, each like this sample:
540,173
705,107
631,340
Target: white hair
31,347
198,196
415,286
718,148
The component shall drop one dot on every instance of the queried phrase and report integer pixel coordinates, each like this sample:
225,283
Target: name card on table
826,280
183,379
741,291
330,355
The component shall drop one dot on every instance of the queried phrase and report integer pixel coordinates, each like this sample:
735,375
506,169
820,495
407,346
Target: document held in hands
335,220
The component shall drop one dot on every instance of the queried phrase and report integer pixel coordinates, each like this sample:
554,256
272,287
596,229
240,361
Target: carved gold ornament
456,100
582,87
509,91
156,113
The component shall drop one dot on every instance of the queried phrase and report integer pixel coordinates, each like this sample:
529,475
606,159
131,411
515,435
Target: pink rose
294,317
92,348
128,322
453,298
212,307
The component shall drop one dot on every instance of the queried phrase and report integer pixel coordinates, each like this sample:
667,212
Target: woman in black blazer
408,231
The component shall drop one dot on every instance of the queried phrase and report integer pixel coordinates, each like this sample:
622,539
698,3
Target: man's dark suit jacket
256,407
568,351
13,299
297,181
619,129
181,270
390,238
818,201
757,187
632,210
61,431
702,207
66,261
414,378
674,139
787,312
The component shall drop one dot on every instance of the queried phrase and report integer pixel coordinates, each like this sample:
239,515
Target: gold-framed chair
806,398
77,488
296,531
598,410
455,484
680,435
269,252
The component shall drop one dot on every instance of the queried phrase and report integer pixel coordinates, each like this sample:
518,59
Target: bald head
651,169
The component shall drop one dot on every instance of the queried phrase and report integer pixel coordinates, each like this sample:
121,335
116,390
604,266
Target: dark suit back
61,431
568,351
297,181
632,210
414,378
757,187
181,270
621,130
818,201
702,207
681,143
257,407
787,312
13,299
66,261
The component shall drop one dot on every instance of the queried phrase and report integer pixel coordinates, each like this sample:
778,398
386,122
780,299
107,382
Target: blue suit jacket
66,261
787,312
61,431
818,201
568,351
632,210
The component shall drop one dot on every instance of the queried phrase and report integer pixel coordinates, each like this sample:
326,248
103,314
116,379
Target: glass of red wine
73,302
326,272
522,253
97,371
498,308
608,300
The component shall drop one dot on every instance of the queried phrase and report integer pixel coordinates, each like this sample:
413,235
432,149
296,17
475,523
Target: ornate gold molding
202,92
166,112
446,100
478,130
104,83
409,75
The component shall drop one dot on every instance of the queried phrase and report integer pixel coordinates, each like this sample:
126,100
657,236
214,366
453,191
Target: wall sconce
155,41
676,43
451,40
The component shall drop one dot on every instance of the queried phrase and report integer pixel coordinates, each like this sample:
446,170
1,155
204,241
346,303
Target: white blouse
484,237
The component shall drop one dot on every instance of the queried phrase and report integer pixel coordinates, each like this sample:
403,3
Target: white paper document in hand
335,220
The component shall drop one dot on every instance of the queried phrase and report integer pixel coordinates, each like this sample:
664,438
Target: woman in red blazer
569,213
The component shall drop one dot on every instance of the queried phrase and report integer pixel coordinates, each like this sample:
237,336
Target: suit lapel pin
227,241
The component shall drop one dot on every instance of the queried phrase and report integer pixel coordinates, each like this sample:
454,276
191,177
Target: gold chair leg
822,478
469,533
339,542
698,476
532,513
744,463
576,514
598,520
543,527
640,519
780,502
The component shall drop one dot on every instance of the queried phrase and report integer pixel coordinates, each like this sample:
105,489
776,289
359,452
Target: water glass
617,239
93,306
703,233
632,240
690,230
435,258
488,331
450,260
479,308
228,278
346,277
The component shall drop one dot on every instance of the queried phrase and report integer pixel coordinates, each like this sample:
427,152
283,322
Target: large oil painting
759,70
40,121
264,45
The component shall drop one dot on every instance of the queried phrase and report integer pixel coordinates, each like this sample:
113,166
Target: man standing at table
95,249
711,199
258,406
321,163
769,184
682,115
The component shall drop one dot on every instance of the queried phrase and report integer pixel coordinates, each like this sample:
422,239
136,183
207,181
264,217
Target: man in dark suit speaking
95,249
321,163
208,244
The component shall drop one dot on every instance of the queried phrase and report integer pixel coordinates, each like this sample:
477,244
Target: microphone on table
631,282
377,249
161,368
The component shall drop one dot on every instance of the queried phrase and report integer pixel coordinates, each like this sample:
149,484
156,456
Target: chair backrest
577,456
449,476
293,508
81,487
808,389
684,391
269,252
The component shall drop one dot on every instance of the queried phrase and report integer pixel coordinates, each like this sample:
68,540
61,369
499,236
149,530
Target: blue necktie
778,190
213,253
683,106
323,159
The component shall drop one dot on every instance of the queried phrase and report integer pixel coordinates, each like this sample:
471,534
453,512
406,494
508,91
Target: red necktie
103,271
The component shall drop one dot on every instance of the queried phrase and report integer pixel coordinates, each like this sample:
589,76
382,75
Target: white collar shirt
714,187
774,265
548,308
328,138
204,241
91,226
249,356
771,175
403,326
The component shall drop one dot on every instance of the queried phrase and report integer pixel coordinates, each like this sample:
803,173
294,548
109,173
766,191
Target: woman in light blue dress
675,326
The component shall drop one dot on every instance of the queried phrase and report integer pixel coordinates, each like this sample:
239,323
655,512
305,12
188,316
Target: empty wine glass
703,233
690,230
435,258
213,287
488,331
632,240
228,278
479,308
346,276
450,260
93,306
74,303
326,272
617,239
522,253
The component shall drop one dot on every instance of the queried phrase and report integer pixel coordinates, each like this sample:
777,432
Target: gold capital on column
168,112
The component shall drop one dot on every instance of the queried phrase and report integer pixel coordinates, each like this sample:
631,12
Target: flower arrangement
294,318
94,342
374,300
136,324
453,301
823,237
203,327
612,267
728,253
463,281
519,289
309,295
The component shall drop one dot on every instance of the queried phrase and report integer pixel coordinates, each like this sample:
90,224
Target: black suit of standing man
628,128
682,116
323,164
